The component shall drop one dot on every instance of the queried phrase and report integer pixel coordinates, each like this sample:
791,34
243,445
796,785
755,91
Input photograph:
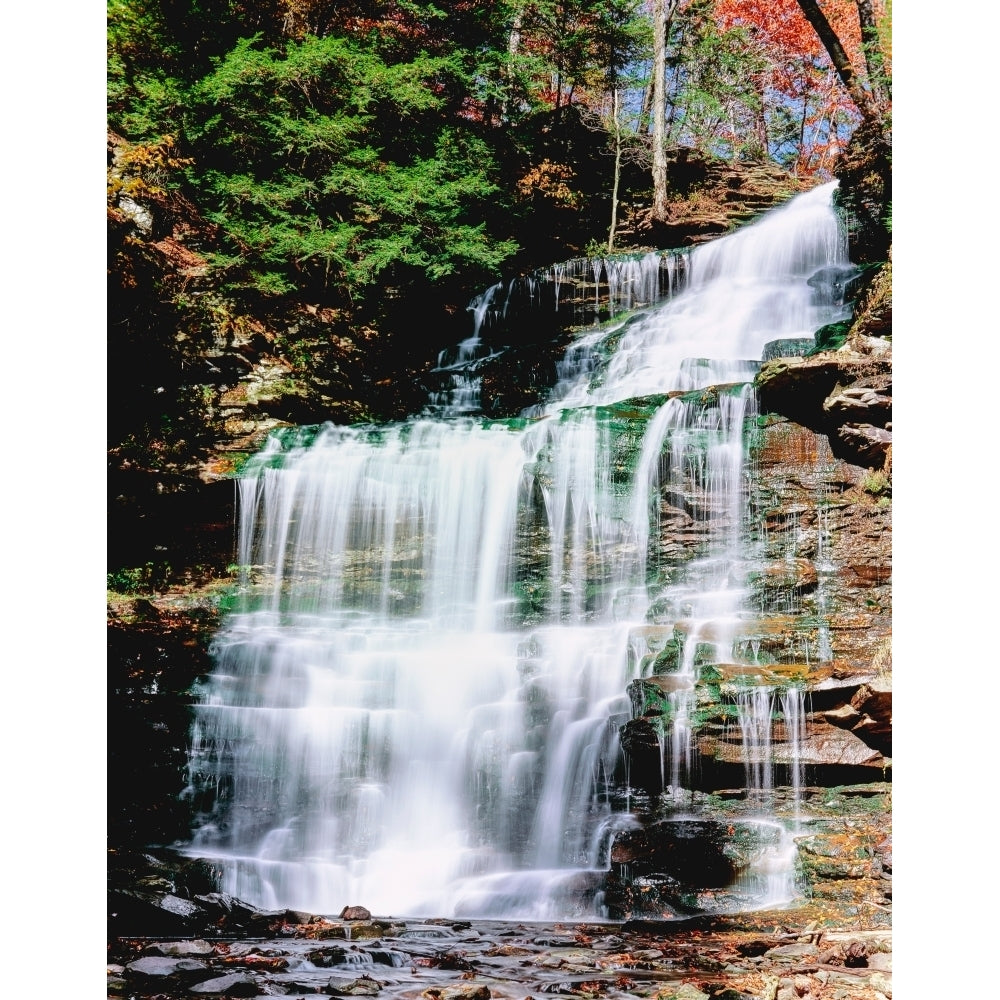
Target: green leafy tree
328,166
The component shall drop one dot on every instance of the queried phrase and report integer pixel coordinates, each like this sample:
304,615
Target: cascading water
418,705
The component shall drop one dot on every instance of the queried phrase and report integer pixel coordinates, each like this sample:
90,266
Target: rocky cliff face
207,386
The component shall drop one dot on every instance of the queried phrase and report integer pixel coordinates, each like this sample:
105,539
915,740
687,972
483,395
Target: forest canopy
335,146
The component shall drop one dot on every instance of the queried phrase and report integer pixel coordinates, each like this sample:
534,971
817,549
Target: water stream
417,706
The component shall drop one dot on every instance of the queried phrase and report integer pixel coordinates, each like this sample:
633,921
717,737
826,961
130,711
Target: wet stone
236,984
688,991
363,986
323,958
470,991
610,943
181,949
239,948
801,950
395,959
155,967
298,983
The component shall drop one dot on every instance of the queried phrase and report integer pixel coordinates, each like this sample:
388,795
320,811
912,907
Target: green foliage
876,483
713,91
133,580
327,167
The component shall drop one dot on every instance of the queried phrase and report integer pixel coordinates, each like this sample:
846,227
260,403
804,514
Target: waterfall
417,705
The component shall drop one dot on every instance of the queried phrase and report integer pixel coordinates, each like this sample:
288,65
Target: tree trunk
841,63
874,59
617,126
508,74
659,110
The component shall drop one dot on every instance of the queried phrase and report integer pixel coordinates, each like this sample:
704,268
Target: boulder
166,972
861,403
845,394
863,444
236,984
181,949
135,913
690,852
364,986
465,991
868,716
833,747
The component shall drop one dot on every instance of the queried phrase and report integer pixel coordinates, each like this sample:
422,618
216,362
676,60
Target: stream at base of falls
420,702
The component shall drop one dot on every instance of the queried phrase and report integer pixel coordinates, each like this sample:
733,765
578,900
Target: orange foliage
800,66
550,180
784,29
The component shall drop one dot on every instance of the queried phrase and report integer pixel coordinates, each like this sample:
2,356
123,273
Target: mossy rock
830,337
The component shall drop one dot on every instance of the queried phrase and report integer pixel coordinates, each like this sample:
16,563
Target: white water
418,706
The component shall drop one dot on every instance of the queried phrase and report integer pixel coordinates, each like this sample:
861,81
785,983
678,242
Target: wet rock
873,702
116,981
240,949
868,716
236,984
367,930
510,950
218,903
326,931
660,870
640,741
181,949
863,444
470,991
691,852
836,747
257,922
688,991
861,404
610,943
798,574
797,950
355,913
140,913
394,959
363,986
323,958
157,969
844,394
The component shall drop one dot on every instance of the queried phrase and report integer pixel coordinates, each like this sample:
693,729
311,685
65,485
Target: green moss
830,337
668,659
